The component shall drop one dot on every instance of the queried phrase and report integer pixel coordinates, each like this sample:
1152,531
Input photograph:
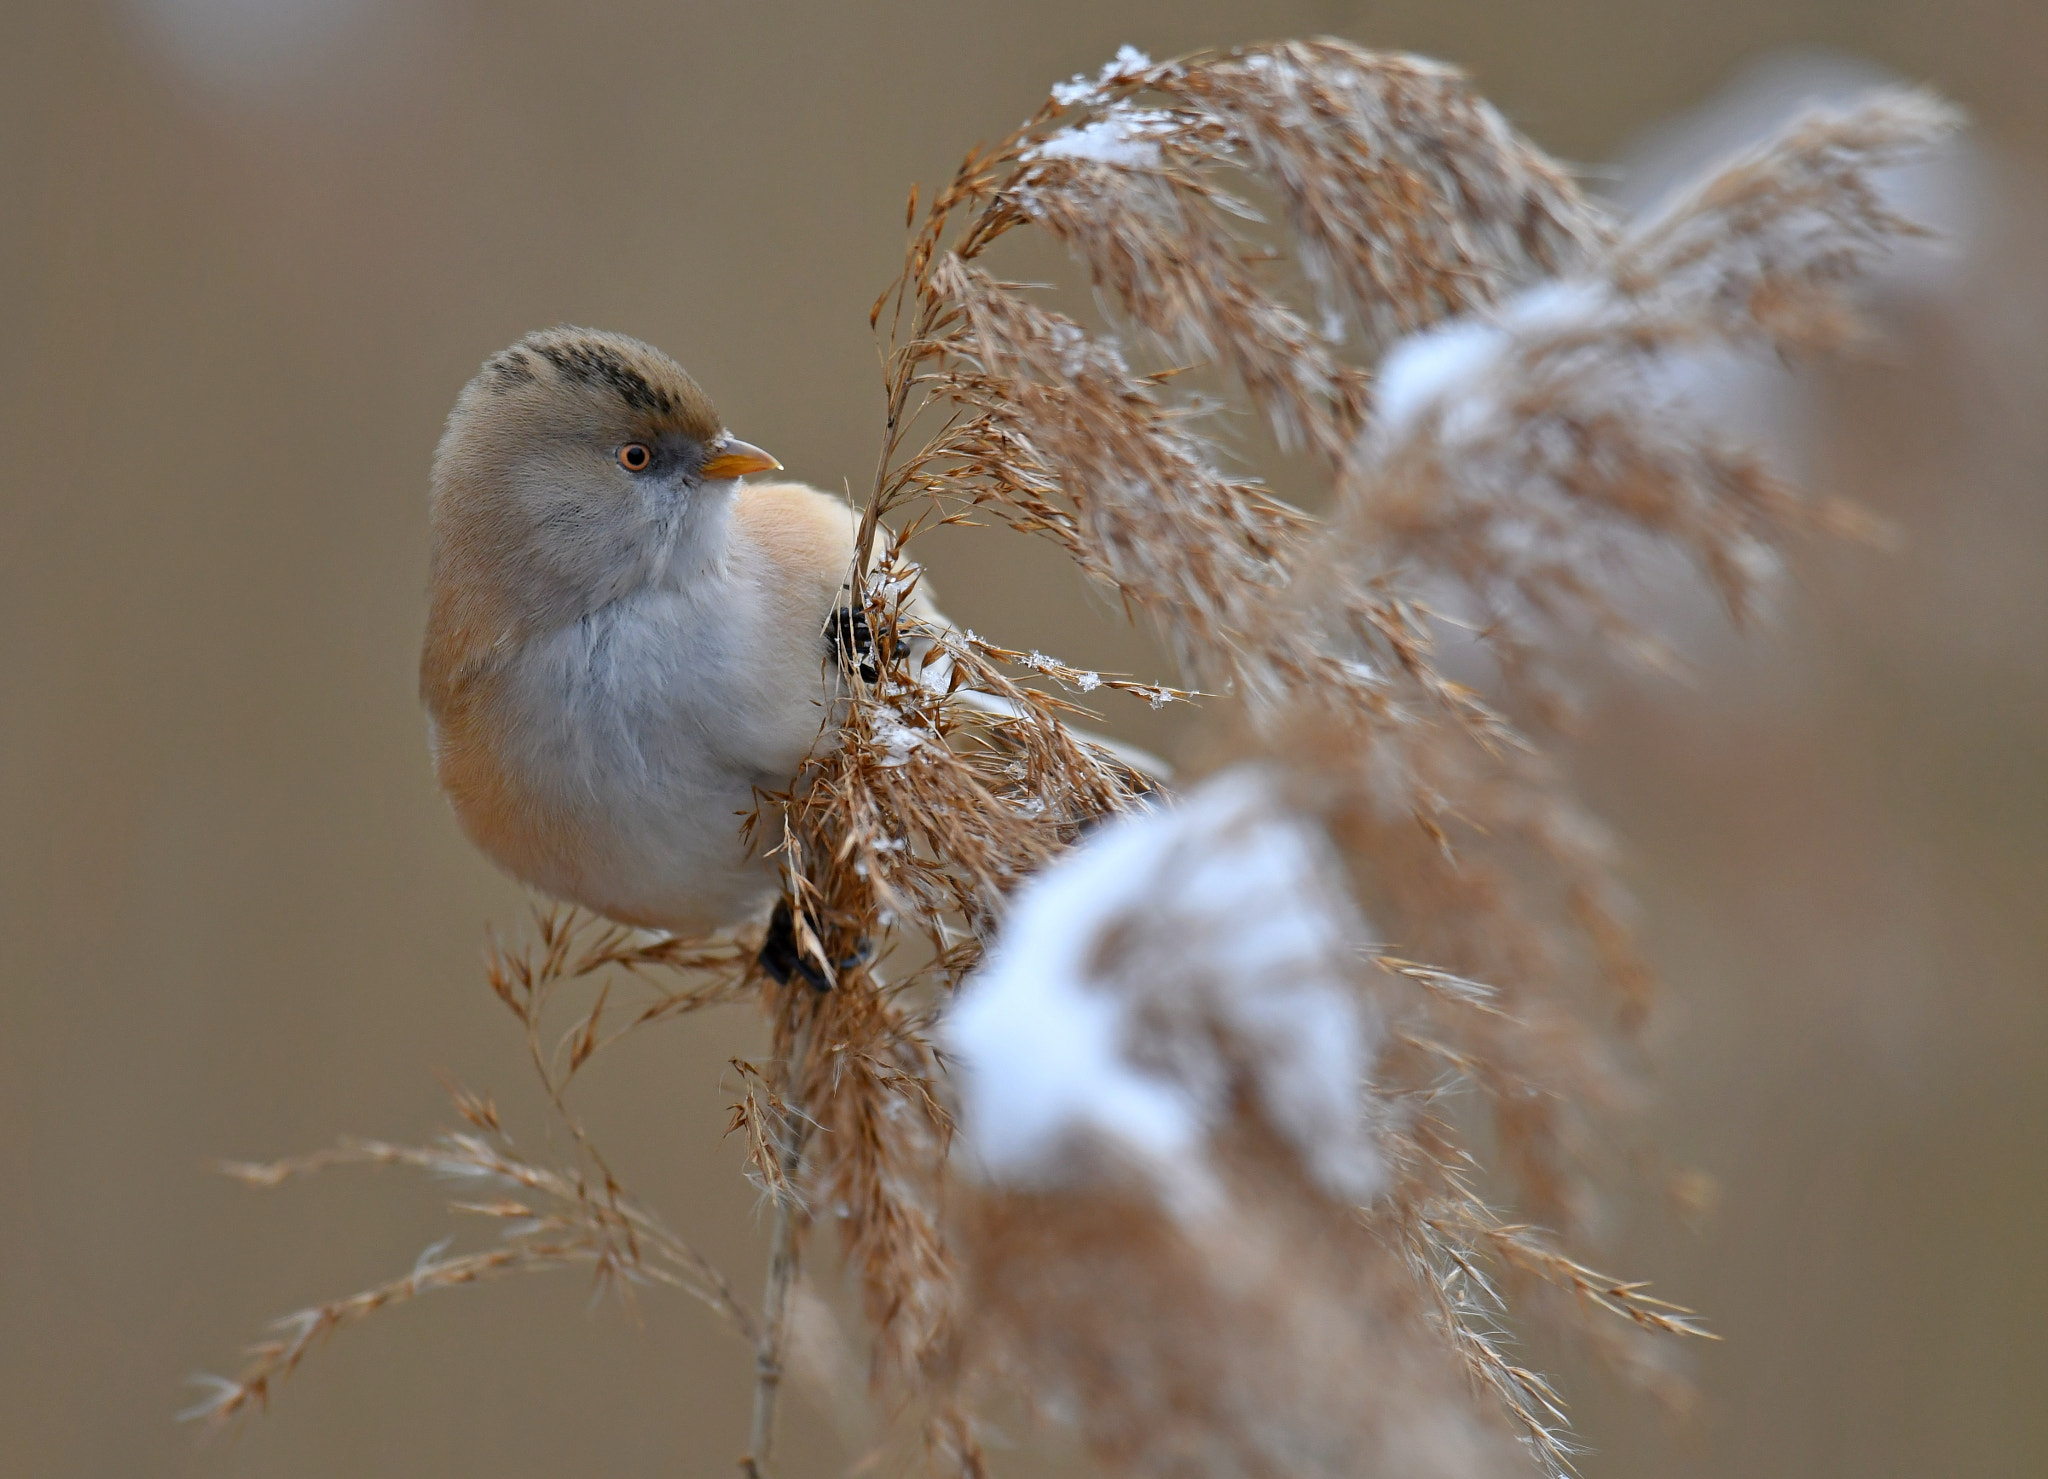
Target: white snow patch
898,739
1126,137
1178,957
1042,1057
1079,91
1445,368
1052,667
1428,369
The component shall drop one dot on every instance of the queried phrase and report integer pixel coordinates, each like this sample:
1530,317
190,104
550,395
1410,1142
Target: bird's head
575,465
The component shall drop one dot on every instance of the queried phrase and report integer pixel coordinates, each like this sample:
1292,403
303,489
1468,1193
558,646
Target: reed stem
785,1259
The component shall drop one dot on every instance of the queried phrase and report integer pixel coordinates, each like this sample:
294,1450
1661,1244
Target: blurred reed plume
1202,1166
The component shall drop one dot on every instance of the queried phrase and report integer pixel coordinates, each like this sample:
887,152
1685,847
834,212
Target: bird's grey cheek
673,497
660,505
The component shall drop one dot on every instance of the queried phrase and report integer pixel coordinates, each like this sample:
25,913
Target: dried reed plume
1216,1201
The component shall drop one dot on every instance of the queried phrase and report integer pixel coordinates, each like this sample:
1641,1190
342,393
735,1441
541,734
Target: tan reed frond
1466,1310
1512,460
1767,247
548,1218
1527,461
1406,197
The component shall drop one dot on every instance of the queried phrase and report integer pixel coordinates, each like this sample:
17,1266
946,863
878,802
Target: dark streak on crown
599,364
509,369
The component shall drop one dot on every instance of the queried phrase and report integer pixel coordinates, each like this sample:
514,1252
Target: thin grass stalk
785,1256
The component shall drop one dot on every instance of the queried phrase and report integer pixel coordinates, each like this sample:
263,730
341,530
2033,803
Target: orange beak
732,458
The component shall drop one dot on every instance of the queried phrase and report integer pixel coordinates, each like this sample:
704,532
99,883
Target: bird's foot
781,958
851,637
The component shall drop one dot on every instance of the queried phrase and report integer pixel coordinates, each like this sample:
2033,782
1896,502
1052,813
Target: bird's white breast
650,724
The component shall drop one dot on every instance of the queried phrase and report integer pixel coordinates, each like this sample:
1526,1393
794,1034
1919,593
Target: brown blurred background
253,248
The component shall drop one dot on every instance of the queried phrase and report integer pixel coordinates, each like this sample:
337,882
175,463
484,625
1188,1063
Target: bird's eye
634,457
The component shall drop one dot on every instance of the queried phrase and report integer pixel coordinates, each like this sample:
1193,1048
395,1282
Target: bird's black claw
849,635
780,956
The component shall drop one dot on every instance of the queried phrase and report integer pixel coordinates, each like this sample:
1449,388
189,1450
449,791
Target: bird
625,640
